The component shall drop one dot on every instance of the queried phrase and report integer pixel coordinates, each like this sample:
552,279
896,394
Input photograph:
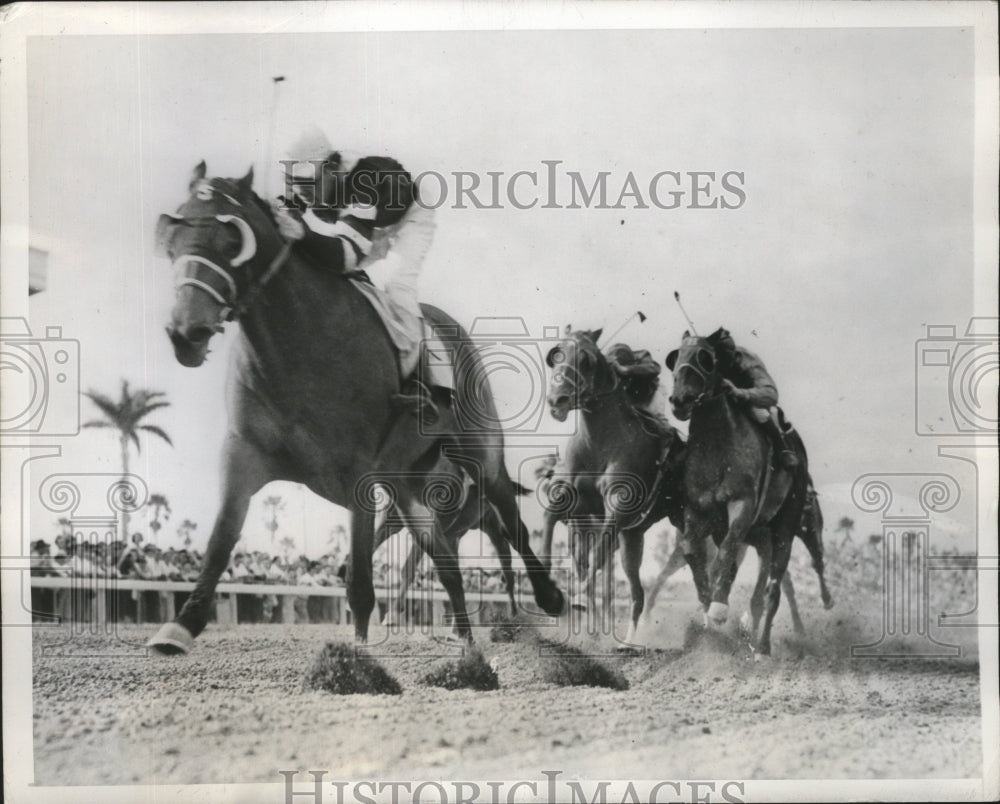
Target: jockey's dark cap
383,182
724,344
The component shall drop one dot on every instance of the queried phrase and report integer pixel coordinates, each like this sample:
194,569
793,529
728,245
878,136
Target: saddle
435,369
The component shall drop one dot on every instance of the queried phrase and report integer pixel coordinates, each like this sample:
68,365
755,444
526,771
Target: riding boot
786,456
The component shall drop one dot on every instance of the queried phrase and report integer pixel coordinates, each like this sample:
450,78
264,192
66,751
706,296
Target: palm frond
152,428
135,439
146,409
99,423
106,405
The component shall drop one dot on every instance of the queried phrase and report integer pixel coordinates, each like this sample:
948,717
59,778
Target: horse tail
521,491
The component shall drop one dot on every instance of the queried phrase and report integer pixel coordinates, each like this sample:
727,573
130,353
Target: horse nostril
199,334
560,400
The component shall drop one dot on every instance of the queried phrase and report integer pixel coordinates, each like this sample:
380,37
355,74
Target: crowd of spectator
78,557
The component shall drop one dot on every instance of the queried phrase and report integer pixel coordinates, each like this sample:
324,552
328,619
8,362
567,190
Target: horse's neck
609,427
304,322
714,424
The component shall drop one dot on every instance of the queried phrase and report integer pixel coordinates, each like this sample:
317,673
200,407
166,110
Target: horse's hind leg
443,551
811,533
793,607
244,472
500,492
494,530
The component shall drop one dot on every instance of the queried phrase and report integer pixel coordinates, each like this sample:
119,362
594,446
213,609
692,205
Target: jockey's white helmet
311,145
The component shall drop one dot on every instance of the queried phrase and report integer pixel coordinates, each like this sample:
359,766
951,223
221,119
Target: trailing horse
613,462
733,491
311,384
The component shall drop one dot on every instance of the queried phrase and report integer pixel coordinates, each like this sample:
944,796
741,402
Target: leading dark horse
310,391
733,493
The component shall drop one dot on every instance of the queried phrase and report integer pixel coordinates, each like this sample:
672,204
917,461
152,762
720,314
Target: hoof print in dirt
574,668
471,672
340,670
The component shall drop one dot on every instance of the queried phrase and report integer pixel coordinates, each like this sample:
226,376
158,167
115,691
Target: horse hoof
553,603
718,613
761,658
828,603
172,639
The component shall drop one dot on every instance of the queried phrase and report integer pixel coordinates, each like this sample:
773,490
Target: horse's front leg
360,585
631,543
694,543
727,561
244,471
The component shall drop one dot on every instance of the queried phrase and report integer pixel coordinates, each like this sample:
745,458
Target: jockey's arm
755,385
341,244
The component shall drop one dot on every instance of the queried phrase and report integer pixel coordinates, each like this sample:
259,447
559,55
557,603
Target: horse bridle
586,398
233,303
704,396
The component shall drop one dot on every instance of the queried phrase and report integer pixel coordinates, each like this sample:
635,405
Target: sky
855,148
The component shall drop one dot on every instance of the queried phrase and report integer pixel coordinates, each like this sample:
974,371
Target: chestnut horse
612,462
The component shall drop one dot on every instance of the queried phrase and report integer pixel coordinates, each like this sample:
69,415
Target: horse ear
247,181
671,360
197,174
595,335
687,334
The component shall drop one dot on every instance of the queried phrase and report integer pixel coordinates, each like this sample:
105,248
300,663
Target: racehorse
811,533
310,396
612,463
468,512
733,492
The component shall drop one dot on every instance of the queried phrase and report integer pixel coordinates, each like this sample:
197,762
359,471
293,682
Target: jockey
352,216
747,381
640,377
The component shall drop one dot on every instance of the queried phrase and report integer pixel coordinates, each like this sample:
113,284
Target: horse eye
705,361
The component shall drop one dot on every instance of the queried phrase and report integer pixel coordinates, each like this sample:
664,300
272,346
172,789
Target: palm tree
125,416
160,505
184,531
846,525
272,505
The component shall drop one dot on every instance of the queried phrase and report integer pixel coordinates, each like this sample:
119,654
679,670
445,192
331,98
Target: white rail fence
105,600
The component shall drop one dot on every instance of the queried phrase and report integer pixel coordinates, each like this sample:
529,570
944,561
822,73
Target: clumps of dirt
470,672
340,670
571,667
511,632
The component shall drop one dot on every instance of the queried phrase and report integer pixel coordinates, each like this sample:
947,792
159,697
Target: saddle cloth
437,366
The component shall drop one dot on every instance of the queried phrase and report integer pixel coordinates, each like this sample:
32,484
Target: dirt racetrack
236,710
